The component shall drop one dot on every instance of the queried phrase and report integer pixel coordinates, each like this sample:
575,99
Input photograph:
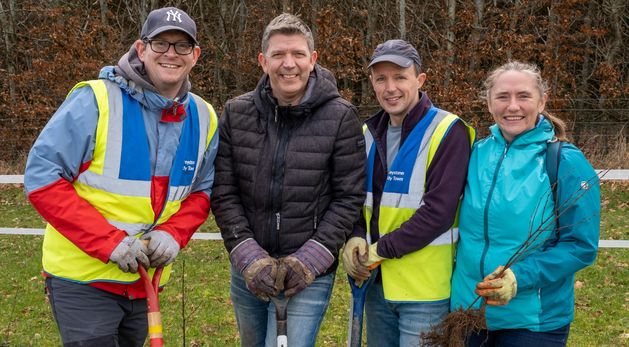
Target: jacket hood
131,68
147,97
320,89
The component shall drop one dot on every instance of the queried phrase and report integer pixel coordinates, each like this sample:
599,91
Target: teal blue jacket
507,197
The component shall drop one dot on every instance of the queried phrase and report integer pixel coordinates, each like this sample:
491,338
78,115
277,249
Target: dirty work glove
258,269
355,253
374,259
497,290
162,247
129,252
303,266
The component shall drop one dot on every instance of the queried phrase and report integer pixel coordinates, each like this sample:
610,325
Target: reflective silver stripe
178,193
205,119
130,228
447,238
369,200
418,176
113,150
368,140
204,128
115,185
400,200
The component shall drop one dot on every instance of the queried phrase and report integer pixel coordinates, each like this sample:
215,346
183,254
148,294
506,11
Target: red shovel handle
152,301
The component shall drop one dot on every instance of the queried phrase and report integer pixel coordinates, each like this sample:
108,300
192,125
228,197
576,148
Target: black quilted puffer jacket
287,174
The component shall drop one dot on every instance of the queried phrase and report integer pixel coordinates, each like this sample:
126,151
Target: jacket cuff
245,253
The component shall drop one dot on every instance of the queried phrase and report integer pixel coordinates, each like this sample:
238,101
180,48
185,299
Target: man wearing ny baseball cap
417,165
123,173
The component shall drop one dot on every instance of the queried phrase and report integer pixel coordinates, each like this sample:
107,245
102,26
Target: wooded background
49,45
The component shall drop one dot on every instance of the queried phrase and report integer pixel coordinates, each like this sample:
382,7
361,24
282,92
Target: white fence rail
611,175
217,236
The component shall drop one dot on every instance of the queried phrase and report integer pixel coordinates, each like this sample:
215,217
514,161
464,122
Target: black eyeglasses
161,46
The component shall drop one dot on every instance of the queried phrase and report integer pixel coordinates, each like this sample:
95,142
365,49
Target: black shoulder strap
553,154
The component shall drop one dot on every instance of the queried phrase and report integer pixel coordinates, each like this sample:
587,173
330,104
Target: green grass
602,295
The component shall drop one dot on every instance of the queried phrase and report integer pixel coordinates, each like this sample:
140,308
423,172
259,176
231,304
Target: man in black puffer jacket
289,186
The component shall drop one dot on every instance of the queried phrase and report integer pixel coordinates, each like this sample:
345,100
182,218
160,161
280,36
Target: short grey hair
287,24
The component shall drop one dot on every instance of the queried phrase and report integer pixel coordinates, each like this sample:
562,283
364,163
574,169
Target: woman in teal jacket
507,197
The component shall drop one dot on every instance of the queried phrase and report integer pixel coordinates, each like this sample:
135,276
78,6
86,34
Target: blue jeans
399,323
520,338
256,318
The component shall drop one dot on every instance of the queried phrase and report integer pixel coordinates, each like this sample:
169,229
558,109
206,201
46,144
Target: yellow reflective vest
423,275
118,180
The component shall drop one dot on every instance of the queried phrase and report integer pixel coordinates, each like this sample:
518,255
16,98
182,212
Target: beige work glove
355,254
498,289
374,259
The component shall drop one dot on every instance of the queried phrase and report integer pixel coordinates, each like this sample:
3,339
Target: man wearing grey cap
123,173
416,169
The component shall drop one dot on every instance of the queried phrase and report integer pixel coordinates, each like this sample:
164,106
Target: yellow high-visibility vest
423,275
118,180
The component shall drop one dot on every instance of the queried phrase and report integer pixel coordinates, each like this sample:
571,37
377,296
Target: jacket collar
542,132
320,89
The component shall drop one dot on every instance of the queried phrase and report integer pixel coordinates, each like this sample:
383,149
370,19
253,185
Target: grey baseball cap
168,18
398,52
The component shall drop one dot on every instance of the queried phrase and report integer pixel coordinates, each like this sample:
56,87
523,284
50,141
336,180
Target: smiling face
168,70
288,62
515,102
396,88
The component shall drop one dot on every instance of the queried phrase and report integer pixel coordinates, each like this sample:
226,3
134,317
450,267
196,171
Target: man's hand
262,278
355,254
162,247
374,259
498,288
302,267
259,270
129,252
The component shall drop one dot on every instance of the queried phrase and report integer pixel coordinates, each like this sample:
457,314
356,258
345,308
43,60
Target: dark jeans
87,316
520,338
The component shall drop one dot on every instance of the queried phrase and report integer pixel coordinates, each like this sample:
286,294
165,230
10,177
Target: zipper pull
277,221
315,222
276,113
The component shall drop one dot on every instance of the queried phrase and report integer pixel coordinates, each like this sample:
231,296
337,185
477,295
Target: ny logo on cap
175,16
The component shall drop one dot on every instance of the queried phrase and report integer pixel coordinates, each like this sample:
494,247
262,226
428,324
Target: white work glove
129,252
162,247
355,254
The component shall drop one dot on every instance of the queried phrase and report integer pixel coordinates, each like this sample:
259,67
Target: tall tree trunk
586,65
613,10
314,13
103,19
6,21
553,36
450,42
479,5
402,19
241,50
